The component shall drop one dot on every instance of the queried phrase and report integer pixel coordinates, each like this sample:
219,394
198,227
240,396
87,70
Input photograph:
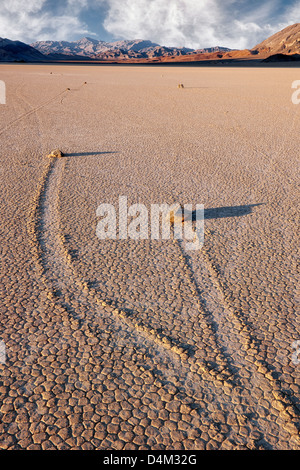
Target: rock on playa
55,154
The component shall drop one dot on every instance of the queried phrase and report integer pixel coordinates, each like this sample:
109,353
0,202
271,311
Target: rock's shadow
86,154
229,211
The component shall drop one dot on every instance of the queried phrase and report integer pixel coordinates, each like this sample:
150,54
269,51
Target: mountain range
284,45
101,50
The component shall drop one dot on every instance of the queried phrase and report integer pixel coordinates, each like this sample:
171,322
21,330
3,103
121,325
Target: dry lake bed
139,343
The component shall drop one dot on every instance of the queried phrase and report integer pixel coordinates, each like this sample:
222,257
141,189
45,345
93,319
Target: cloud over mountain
195,24
232,23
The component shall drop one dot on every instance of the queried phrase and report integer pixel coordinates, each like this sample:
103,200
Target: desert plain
140,344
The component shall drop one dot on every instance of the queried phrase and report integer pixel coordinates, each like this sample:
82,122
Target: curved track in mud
234,338
59,276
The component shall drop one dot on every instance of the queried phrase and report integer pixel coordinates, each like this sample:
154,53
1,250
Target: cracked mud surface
140,344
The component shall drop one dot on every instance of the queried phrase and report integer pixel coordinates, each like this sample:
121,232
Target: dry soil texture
140,344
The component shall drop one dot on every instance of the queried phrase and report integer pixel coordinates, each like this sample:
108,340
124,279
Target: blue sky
191,23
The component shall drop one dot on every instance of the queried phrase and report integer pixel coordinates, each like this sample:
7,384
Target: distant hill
286,41
16,51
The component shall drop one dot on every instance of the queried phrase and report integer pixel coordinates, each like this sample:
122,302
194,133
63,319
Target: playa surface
140,344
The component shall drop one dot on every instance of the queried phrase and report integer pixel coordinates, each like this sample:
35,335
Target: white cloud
171,23
196,24
191,23
292,14
29,6
29,20
250,34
